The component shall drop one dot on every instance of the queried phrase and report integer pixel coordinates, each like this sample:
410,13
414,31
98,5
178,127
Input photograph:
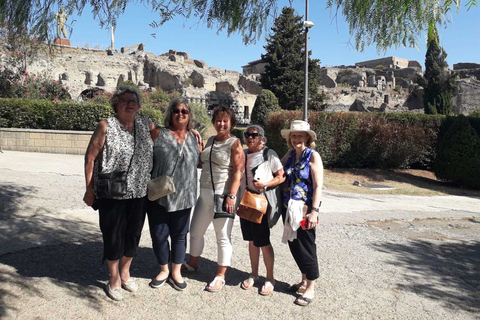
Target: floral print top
298,184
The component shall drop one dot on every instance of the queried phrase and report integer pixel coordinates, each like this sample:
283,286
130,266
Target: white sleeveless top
222,167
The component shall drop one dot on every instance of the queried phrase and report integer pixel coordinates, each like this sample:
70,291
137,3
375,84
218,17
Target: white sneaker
115,293
130,285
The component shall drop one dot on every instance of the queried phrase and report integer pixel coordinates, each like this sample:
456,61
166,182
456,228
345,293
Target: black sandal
303,301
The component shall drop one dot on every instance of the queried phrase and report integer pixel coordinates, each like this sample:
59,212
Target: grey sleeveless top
118,150
222,167
166,152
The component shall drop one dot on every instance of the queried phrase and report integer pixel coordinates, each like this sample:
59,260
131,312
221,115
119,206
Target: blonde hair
310,142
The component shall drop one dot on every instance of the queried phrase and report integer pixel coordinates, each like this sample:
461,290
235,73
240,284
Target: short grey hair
259,130
121,91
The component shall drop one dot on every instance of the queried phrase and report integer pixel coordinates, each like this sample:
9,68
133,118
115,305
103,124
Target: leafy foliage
43,114
202,120
361,140
285,58
389,23
458,157
437,81
265,103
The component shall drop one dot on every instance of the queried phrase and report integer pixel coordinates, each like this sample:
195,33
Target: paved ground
381,257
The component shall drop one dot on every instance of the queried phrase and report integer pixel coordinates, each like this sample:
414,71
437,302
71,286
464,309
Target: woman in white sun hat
302,192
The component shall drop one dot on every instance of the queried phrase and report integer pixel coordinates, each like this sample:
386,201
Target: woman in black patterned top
121,143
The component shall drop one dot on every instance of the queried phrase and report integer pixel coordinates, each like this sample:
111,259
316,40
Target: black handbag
114,184
219,200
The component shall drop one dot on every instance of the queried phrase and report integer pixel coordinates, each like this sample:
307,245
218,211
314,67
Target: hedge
68,115
365,140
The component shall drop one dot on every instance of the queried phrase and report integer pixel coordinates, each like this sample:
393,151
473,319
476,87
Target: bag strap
181,152
210,161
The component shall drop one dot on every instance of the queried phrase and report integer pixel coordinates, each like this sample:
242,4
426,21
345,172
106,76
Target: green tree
438,82
285,58
383,22
458,155
265,103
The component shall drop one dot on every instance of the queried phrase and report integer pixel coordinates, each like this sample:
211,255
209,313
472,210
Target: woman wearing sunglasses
175,153
263,173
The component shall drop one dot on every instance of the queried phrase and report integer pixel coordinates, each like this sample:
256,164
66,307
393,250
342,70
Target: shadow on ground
11,197
448,272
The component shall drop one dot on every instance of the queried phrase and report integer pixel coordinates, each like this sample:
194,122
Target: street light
307,24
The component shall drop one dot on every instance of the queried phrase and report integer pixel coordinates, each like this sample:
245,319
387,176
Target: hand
230,205
89,197
258,184
312,220
198,136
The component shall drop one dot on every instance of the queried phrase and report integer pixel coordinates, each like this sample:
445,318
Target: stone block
61,136
30,142
80,144
62,42
36,135
3,141
83,137
66,144
39,143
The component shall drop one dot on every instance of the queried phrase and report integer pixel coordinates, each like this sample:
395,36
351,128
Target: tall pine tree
285,57
438,82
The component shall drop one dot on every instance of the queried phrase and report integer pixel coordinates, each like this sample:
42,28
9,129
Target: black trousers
121,223
304,251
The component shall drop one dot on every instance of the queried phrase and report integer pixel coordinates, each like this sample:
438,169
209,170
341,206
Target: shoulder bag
164,185
253,204
219,200
114,184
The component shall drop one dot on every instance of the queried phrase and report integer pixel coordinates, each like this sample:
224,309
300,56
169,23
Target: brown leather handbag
252,206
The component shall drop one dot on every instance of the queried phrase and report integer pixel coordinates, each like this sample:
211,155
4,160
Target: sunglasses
251,134
184,111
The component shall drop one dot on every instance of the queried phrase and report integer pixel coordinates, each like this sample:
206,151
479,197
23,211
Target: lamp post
307,24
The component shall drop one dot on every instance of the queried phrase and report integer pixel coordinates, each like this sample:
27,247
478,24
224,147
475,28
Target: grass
406,182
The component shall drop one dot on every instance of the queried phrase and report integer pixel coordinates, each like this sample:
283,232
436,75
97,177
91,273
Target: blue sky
328,39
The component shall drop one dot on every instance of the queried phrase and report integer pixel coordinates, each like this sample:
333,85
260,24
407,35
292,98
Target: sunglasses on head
251,134
184,111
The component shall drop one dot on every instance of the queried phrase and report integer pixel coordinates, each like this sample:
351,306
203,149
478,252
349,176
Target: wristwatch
231,196
317,209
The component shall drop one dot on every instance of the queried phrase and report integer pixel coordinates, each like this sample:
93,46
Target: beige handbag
160,187
163,186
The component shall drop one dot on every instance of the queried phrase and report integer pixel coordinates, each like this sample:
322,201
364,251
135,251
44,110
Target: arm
154,130
199,139
278,178
238,162
94,148
316,169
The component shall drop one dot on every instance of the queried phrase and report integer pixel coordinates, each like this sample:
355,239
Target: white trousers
201,219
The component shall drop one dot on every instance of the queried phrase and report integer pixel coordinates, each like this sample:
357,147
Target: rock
224,86
351,76
109,52
250,86
327,77
465,65
359,105
64,76
88,78
200,63
101,80
198,80
468,97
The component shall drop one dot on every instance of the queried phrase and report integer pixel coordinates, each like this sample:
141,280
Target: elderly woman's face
253,139
127,104
298,139
180,115
222,123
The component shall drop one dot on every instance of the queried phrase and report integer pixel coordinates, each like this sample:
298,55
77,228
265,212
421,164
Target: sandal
188,268
211,286
303,301
267,288
298,288
250,282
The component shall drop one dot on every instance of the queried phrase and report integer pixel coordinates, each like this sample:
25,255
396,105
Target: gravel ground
381,257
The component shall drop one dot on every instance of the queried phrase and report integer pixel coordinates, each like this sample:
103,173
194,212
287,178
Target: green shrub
202,120
364,140
43,114
238,132
265,103
458,157
127,83
158,99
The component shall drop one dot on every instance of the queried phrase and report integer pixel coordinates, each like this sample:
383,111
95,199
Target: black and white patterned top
117,152
166,151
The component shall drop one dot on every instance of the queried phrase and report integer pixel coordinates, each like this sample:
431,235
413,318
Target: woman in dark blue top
302,192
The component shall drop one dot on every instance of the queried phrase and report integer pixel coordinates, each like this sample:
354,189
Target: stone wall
48,141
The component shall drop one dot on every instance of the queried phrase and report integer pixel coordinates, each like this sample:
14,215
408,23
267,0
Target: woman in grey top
121,143
175,153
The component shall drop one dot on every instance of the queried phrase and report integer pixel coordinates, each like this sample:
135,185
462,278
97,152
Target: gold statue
61,19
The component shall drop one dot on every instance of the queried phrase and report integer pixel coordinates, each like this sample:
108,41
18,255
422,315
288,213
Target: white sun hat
296,126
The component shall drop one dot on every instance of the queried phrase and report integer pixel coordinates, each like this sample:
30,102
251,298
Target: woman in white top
226,162
263,173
